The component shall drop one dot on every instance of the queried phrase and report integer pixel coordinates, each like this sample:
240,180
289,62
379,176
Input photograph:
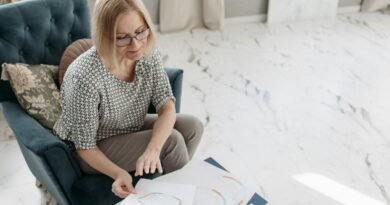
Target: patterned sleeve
80,103
162,91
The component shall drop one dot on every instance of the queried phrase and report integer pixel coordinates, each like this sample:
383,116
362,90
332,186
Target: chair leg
51,201
47,198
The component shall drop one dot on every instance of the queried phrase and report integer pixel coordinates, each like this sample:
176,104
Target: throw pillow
73,51
35,89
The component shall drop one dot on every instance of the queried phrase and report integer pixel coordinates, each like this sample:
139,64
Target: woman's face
131,24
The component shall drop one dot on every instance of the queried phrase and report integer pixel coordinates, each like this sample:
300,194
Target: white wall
235,8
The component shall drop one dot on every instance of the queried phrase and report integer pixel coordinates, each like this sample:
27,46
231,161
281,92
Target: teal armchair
37,32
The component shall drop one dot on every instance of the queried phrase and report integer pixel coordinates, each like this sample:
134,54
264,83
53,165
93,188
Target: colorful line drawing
238,183
235,195
241,188
220,195
143,199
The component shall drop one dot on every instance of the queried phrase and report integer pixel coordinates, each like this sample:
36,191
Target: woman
105,97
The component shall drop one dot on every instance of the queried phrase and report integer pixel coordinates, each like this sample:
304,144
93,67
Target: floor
300,108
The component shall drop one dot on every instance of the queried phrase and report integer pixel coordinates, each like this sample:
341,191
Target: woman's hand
122,185
149,161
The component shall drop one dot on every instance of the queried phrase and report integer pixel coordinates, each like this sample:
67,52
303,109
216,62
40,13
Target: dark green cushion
36,90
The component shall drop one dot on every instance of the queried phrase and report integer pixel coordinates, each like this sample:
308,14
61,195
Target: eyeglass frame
127,37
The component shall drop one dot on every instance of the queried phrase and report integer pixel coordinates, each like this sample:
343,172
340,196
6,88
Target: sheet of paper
214,186
151,192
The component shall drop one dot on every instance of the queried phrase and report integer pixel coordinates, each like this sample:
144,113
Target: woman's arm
163,126
164,102
162,129
95,158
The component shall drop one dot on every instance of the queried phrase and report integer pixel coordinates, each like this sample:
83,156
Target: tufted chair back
38,32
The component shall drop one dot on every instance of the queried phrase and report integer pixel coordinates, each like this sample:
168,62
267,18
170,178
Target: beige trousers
125,149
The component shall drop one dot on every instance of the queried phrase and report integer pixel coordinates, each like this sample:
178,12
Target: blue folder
256,198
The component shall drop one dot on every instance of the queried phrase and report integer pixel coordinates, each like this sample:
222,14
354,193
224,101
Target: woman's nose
134,44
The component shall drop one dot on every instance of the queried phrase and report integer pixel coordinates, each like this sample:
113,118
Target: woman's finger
147,166
153,167
139,168
159,167
129,188
119,191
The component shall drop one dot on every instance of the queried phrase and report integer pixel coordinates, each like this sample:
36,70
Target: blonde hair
104,25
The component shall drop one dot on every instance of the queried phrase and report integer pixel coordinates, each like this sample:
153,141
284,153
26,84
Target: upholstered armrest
175,76
28,131
47,157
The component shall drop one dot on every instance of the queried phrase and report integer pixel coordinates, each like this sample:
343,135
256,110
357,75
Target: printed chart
160,193
214,186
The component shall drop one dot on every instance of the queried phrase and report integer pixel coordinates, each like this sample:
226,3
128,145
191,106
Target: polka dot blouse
97,105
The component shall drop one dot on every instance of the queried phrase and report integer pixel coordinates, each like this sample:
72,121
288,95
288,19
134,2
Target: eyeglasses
126,40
